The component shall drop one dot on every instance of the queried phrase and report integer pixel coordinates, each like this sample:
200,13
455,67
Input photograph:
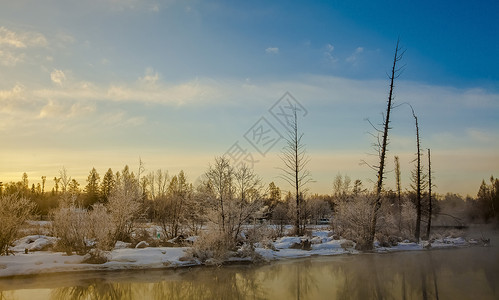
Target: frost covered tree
248,198
235,198
14,211
220,178
125,205
171,208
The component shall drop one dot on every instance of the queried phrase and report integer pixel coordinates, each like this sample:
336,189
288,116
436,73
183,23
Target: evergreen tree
107,185
92,188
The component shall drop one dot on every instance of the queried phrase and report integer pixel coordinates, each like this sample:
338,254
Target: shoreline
33,264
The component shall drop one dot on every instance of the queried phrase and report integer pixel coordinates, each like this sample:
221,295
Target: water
467,273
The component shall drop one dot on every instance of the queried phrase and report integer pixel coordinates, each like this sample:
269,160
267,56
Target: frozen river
466,273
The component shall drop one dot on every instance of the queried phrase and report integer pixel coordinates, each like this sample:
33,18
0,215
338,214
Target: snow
123,257
120,259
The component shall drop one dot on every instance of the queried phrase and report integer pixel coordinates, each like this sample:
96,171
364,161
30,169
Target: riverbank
320,243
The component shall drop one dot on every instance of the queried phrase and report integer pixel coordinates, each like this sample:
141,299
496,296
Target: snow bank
120,259
123,257
33,243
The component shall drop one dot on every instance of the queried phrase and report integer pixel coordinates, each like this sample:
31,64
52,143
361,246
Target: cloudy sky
102,83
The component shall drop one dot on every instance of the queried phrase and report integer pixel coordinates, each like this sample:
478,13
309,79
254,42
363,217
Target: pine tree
92,188
107,185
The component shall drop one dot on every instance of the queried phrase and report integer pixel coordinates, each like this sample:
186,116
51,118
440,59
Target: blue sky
101,83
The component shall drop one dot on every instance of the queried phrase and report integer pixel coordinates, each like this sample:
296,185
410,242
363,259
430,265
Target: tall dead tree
295,161
430,204
417,180
399,191
382,147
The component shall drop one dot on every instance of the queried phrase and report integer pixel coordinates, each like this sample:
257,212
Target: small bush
14,211
124,208
212,245
101,227
79,230
353,219
71,224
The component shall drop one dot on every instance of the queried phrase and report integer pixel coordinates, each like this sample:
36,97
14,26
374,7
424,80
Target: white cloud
272,50
9,58
353,58
21,39
12,45
328,54
155,7
12,94
150,78
57,77
140,5
483,136
51,109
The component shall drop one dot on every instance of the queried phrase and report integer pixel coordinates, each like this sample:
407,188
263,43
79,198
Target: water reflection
444,274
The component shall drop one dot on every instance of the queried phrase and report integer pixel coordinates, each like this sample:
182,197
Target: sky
106,83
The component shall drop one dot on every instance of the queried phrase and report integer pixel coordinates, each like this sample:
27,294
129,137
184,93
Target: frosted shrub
353,218
213,245
408,220
124,208
353,221
101,227
71,224
14,211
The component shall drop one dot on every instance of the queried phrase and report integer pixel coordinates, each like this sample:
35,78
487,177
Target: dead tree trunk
418,182
382,151
428,228
399,191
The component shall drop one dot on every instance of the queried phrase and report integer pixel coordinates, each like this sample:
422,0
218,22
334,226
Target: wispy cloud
272,50
57,77
21,39
145,5
13,45
353,58
328,54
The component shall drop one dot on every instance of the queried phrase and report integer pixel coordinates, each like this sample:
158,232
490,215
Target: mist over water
467,273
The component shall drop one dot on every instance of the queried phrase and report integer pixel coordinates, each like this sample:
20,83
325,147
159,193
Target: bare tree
418,180
382,147
220,179
295,161
247,187
430,204
399,190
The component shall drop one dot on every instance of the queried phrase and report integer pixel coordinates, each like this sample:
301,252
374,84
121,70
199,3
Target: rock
347,244
142,244
303,245
426,245
42,244
122,245
95,256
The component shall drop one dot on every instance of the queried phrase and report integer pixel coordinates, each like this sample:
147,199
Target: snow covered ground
37,260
